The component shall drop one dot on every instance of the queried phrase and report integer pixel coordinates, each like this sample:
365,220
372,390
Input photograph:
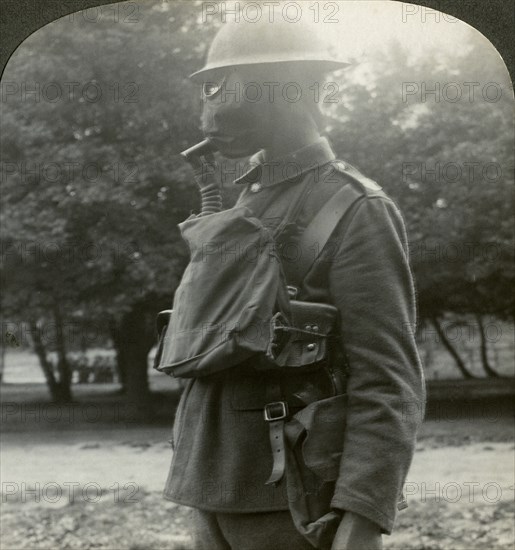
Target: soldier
225,465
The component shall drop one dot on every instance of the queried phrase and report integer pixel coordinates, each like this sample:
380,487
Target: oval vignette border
20,18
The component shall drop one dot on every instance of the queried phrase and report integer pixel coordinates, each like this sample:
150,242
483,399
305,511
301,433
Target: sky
358,26
368,25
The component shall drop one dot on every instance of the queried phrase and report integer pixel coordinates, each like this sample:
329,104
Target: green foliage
447,164
95,222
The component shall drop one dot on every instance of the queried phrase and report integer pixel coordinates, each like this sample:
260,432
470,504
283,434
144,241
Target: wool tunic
222,456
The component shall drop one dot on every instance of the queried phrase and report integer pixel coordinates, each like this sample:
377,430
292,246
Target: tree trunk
63,367
451,349
136,340
115,332
2,361
483,349
46,365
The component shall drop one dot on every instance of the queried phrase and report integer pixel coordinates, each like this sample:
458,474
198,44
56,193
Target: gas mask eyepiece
211,89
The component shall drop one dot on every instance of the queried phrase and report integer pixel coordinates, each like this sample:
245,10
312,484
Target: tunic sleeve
371,284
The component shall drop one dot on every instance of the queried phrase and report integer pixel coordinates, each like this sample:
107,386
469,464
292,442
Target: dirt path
143,456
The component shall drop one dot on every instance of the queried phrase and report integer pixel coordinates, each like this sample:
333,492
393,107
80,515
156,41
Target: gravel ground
460,497
152,524
148,523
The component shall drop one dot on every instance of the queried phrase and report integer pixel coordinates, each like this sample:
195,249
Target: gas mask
236,113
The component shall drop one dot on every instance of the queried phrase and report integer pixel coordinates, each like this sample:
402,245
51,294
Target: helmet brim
321,65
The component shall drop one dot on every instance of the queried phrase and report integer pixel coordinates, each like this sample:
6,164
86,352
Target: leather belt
275,414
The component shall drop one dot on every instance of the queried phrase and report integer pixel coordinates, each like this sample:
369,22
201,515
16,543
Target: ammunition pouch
304,341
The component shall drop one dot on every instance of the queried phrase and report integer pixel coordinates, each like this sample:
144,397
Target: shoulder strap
317,233
295,207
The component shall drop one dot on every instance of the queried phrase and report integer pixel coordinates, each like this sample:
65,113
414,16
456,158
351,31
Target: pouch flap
303,340
303,350
314,316
324,422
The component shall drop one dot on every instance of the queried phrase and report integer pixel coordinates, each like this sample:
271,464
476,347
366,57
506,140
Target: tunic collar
290,167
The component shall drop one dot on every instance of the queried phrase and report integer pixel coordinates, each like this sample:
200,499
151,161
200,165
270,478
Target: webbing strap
295,207
317,233
278,447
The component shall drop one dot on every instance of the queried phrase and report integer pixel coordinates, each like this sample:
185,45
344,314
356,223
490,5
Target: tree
105,191
447,164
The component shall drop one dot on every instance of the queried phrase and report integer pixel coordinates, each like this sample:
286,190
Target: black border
20,18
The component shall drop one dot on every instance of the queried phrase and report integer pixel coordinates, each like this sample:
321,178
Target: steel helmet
268,40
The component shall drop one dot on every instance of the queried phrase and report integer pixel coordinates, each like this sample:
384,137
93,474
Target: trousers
252,531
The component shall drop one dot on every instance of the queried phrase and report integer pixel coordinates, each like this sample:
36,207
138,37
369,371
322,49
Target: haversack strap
317,233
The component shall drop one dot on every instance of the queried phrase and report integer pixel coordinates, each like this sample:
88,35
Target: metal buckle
292,292
403,502
272,415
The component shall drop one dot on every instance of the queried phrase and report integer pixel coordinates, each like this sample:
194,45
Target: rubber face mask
235,114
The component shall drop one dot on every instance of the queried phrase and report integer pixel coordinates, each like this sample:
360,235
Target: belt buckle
271,414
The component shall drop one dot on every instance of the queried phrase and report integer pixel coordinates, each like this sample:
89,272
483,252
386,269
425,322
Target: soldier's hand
356,532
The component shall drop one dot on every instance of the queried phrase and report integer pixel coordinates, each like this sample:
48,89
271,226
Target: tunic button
315,328
311,347
255,187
